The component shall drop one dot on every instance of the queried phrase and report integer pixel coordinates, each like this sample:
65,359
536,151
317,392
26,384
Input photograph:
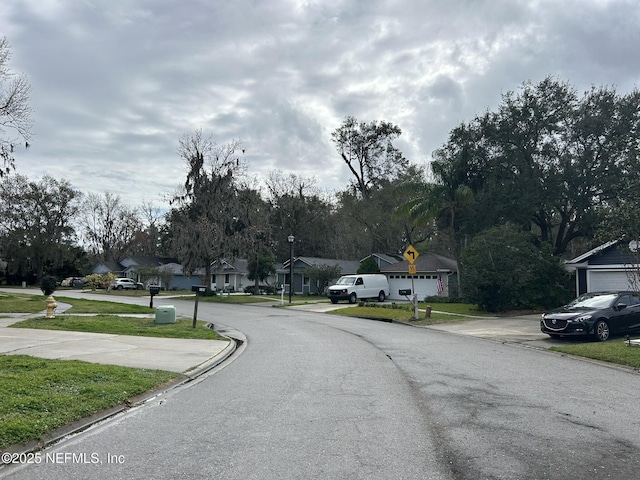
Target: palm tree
439,202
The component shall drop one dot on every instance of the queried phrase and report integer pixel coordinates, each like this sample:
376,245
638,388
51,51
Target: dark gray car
599,314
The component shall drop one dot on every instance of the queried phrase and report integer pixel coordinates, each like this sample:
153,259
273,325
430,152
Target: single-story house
233,275
434,276
171,276
226,275
302,285
611,266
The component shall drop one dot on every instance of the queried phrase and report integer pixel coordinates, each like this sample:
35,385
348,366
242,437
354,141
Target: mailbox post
199,289
414,300
153,291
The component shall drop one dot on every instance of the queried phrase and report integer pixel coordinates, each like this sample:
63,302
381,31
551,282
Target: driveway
522,329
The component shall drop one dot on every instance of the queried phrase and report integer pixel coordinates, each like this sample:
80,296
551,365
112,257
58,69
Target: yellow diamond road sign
411,254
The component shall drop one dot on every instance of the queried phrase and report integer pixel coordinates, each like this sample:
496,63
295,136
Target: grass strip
402,312
40,395
235,299
20,303
613,351
399,314
122,325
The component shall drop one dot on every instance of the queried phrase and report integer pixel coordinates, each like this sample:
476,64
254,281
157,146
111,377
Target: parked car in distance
354,287
71,282
597,314
126,284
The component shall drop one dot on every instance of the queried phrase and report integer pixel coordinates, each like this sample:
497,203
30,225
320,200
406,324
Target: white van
354,287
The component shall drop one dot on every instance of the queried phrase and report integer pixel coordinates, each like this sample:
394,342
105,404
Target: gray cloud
116,83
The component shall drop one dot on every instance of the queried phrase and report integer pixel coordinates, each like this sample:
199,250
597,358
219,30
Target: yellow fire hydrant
51,306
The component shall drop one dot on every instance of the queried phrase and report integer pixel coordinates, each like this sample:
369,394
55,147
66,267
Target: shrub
267,289
439,299
99,280
48,285
505,268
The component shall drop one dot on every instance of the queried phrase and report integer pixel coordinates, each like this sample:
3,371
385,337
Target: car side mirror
621,306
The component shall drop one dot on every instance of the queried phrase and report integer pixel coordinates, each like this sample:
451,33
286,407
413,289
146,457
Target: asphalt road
319,396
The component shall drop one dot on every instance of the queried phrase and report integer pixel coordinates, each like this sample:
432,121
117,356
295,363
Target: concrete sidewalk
189,357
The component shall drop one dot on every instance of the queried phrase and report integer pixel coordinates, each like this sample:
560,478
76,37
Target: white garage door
602,281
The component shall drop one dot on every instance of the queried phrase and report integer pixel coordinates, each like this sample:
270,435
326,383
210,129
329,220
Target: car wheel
381,296
333,300
601,331
120,287
353,298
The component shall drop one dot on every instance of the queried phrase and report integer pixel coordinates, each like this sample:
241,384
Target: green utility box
166,314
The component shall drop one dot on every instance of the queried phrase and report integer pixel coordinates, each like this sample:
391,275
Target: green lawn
613,351
19,303
40,395
122,325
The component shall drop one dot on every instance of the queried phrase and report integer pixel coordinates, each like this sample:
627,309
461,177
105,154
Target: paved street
320,396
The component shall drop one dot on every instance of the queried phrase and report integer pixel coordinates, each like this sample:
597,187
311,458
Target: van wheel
381,296
353,298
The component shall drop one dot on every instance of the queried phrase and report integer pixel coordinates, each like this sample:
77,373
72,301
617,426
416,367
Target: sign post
411,254
198,289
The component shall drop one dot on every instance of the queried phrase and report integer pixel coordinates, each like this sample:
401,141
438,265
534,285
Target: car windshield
593,301
346,281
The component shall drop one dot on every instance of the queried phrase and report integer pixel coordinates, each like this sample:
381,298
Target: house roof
386,258
592,252
430,262
108,266
239,265
346,266
176,269
610,253
142,260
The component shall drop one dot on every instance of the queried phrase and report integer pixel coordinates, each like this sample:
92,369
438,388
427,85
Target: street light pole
291,238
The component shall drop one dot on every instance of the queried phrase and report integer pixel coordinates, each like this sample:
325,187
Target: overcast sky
116,83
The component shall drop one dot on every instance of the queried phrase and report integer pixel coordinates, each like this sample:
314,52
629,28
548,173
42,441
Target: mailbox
154,290
198,288
406,291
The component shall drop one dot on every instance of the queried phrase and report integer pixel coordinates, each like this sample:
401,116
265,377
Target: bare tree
298,207
108,226
632,269
147,240
368,151
15,113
